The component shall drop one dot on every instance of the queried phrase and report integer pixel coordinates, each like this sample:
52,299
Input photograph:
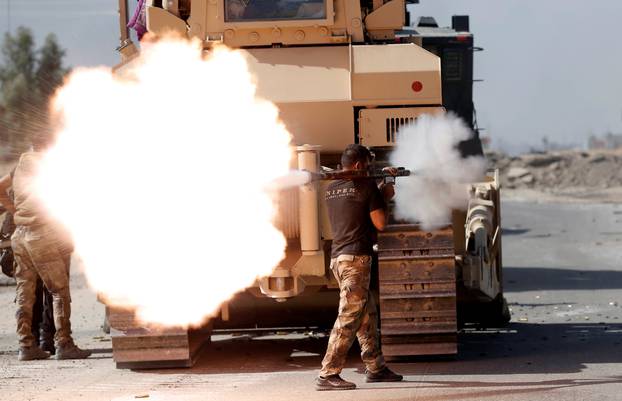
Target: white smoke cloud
439,184
160,175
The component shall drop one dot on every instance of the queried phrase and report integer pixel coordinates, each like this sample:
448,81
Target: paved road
563,279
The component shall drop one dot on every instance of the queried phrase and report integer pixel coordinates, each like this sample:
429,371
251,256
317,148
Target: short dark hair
355,153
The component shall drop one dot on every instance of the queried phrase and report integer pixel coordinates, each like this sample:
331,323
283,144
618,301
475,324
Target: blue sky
88,29
550,67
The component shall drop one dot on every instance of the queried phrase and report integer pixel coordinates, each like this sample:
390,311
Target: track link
417,286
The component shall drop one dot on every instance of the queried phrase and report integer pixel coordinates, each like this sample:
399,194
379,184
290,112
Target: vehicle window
270,10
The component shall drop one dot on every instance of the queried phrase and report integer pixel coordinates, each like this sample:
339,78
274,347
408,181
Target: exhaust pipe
309,210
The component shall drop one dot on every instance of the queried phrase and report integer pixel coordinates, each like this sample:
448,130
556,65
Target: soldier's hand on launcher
390,170
388,190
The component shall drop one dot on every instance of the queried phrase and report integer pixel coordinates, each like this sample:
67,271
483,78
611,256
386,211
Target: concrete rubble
559,172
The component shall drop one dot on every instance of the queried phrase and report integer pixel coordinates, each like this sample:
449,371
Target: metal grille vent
394,124
452,65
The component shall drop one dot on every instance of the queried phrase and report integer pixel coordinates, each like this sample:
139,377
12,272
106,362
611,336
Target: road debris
559,171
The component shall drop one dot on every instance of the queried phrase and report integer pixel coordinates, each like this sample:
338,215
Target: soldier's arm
379,219
5,199
387,190
378,206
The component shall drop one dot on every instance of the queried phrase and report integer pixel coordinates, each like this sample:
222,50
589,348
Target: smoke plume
439,184
160,173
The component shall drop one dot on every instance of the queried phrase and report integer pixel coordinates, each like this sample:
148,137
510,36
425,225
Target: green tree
28,79
50,71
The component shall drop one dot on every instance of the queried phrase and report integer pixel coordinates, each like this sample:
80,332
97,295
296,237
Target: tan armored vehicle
336,72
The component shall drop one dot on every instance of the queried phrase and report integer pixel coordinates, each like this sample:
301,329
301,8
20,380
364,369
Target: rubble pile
559,171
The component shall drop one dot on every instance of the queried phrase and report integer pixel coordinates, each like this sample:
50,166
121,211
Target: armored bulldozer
340,72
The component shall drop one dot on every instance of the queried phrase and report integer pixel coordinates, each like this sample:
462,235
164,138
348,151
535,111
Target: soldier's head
356,157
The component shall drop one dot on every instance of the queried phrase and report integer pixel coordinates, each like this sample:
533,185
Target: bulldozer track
417,289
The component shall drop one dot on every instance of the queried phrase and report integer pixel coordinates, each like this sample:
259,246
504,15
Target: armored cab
340,72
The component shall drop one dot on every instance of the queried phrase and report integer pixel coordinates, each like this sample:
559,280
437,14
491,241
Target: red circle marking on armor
417,86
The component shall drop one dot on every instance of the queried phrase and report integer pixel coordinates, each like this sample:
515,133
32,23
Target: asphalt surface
562,281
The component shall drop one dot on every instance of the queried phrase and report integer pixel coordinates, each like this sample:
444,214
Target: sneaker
71,351
333,382
32,353
384,375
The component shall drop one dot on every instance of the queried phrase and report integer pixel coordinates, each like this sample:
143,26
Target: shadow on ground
517,279
466,390
514,231
518,349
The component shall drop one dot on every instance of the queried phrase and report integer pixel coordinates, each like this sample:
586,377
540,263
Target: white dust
441,175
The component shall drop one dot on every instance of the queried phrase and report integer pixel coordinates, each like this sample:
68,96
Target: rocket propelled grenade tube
359,174
296,178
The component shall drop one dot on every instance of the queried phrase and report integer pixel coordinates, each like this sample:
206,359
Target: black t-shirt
349,203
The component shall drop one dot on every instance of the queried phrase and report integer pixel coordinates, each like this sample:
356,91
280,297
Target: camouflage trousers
41,253
357,317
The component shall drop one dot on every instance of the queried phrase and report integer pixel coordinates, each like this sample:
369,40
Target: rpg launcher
360,175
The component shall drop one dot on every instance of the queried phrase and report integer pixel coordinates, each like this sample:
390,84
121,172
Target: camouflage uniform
39,253
43,319
357,317
42,250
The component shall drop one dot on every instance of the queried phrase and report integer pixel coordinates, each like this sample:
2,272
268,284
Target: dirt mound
560,171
